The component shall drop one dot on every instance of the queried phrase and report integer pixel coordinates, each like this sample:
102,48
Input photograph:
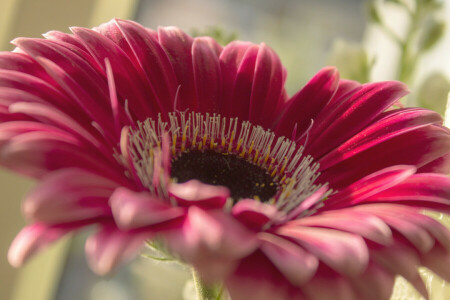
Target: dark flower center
242,178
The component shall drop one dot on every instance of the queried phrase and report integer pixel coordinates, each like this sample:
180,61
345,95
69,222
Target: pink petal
32,239
349,220
109,247
194,192
238,61
428,142
268,87
367,104
312,98
369,186
207,74
133,210
295,263
151,59
29,86
178,46
425,190
37,153
211,232
130,84
69,195
323,287
375,283
344,252
393,124
254,213
438,261
257,278
403,261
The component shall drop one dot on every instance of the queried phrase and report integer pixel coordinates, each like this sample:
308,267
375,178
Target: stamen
289,174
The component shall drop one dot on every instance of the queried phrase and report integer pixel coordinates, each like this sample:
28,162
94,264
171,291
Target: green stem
204,291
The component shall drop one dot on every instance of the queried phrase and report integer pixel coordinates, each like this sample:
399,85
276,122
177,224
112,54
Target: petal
330,286
425,190
401,260
363,224
429,143
207,74
37,153
130,85
32,239
369,186
344,252
293,262
268,87
257,278
438,261
237,62
107,248
206,233
366,105
194,192
376,283
394,123
69,195
178,46
152,60
308,102
133,210
254,213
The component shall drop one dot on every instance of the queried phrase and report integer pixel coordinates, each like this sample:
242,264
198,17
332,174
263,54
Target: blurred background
371,40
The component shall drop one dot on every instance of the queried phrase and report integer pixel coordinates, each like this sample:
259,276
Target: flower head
157,135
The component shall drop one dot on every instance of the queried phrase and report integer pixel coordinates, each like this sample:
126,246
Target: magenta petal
403,261
330,286
254,213
363,224
130,84
178,46
238,62
212,232
344,252
367,104
37,153
438,261
369,186
425,190
307,103
69,195
428,142
268,87
109,247
194,192
376,283
152,60
394,123
295,263
33,238
134,210
207,74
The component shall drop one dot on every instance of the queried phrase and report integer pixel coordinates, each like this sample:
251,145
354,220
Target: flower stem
205,291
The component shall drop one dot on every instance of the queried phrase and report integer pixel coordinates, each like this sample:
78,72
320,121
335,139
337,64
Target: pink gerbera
155,135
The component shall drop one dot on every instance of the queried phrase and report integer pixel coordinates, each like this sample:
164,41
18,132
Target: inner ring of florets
249,160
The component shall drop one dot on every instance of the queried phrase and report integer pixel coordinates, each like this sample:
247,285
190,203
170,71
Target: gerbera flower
158,135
